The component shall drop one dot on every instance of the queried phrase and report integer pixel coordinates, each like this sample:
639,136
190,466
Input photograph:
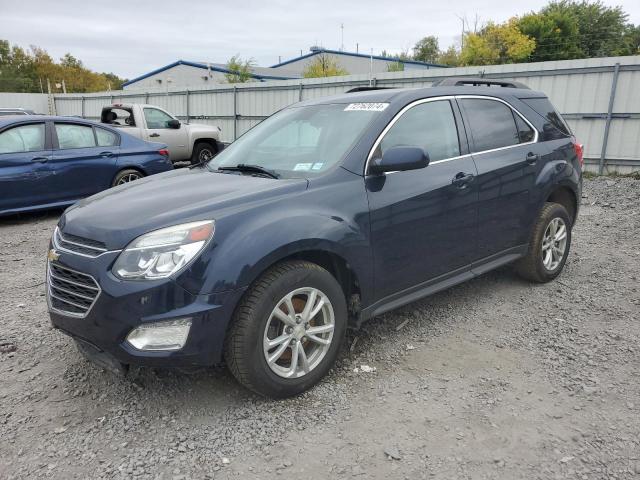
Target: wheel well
339,268
210,141
565,197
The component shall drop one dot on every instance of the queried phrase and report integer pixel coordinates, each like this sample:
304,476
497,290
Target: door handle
154,135
106,154
461,180
40,159
532,158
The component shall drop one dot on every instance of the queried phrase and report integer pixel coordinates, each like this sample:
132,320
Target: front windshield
300,141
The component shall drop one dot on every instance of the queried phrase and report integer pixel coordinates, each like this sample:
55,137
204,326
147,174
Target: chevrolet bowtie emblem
53,255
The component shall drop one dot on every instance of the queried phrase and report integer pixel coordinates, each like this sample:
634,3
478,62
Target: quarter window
156,118
74,136
429,125
492,124
26,138
106,138
525,132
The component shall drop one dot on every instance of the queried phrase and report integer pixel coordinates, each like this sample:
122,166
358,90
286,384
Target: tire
536,265
255,323
127,175
203,152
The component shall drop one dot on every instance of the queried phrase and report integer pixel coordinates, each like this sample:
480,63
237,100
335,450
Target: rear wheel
126,176
287,331
203,152
548,245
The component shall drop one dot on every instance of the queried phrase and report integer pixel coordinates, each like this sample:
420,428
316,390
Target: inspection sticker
367,107
302,167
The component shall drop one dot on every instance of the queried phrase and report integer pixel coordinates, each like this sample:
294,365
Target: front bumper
122,306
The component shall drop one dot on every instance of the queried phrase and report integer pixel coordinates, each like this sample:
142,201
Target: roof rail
366,89
477,82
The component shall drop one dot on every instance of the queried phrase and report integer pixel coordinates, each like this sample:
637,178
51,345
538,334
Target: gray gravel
495,378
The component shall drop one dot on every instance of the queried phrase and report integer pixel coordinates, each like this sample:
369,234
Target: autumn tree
497,44
28,71
323,65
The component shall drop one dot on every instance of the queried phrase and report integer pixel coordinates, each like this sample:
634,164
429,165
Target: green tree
323,65
631,40
426,50
449,57
556,34
240,71
601,29
496,44
395,67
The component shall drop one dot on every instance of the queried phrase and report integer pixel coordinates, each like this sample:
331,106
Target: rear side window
26,138
74,136
543,107
106,138
492,124
429,125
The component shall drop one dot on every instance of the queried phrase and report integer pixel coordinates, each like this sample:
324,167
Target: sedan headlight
162,253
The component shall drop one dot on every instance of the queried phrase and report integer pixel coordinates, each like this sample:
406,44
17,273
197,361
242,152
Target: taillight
164,152
579,149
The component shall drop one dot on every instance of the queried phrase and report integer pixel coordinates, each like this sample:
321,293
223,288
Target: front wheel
203,152
287,330
548,245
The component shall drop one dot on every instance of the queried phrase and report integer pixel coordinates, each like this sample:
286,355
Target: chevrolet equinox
326,214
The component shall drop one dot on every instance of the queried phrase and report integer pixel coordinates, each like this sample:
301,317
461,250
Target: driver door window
156,118
429,125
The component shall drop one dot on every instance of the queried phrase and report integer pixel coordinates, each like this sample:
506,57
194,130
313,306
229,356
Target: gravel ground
495,378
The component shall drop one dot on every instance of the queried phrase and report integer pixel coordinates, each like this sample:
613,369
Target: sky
134,37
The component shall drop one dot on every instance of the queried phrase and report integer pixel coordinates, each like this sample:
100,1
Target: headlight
164,252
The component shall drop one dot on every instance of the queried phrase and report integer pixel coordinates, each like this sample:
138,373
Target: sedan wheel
129,178
298,333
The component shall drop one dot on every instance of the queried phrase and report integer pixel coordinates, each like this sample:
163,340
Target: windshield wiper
243,167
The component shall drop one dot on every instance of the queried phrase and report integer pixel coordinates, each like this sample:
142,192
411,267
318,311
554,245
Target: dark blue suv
328,213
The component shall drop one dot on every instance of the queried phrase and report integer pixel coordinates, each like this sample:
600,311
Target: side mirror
173,123
400,159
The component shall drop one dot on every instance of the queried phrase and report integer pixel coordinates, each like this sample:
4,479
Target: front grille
71,292
79,245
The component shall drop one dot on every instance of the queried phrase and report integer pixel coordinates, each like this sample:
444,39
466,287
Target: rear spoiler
477,82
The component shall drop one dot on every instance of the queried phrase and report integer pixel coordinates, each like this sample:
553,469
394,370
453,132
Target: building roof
317,51
259,73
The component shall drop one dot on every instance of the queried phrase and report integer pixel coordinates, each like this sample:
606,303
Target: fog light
166,335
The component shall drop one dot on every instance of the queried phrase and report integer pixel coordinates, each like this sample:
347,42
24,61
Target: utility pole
64,87
357,47
342,37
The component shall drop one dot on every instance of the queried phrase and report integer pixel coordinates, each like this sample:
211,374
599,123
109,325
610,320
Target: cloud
132,38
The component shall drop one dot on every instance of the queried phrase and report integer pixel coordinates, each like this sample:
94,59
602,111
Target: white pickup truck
186,142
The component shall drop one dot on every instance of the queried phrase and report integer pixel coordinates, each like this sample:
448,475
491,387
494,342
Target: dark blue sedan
49,162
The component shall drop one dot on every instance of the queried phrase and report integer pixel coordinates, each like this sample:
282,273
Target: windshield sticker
317,166
366,107
302,167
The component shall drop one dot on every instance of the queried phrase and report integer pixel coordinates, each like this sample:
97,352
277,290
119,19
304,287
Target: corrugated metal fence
600,98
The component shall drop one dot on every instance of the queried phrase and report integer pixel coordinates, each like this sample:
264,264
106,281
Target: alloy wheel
129,178
554,244
299,332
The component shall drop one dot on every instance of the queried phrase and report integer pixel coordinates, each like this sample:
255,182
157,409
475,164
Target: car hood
118,215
